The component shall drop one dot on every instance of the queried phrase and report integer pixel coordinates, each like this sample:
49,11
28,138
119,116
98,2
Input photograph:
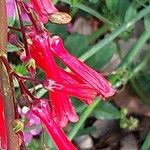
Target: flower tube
41,109
39,47
43,8
87,74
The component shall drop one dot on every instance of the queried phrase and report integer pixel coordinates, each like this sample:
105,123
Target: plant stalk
6,84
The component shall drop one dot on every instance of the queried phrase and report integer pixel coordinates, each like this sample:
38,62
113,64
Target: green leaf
93,1
122,7
112,5
48,141
56,29
130,13
76,44
87,130
35,144
146,144
106,110
11,20
21,69
11,48
103,56
147,22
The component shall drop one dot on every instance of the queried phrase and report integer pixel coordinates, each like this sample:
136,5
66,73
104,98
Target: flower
41,109
46,10
62,108
80,69
30,121
84,83
3,135
81,91
43,8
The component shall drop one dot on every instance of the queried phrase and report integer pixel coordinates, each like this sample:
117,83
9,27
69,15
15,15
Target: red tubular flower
81,91
41,109
88,75
62,108
85,83
3,135
43,8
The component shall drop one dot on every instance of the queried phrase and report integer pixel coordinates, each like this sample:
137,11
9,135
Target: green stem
139,92
127,60
146,144
114,34
141,65
97,33
83,117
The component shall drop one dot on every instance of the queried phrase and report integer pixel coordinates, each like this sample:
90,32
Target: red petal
43,8
41,109
67,77
90,76
62,108
82,91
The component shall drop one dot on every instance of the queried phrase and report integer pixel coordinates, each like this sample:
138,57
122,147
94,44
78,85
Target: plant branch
6,85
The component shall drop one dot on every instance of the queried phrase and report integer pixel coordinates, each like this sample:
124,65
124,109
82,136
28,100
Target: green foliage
146,144
21,69
122,8
103,56
35,144
147,22
56,29
106,110
73,41
11,48
112,5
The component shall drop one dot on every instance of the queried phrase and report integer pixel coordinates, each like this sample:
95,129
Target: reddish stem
23,31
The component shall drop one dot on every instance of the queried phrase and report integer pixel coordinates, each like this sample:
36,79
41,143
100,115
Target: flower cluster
81,81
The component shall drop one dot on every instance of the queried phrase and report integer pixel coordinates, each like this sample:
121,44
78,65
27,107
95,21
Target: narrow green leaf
122,7
147,22
146,144
112,5
130,13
